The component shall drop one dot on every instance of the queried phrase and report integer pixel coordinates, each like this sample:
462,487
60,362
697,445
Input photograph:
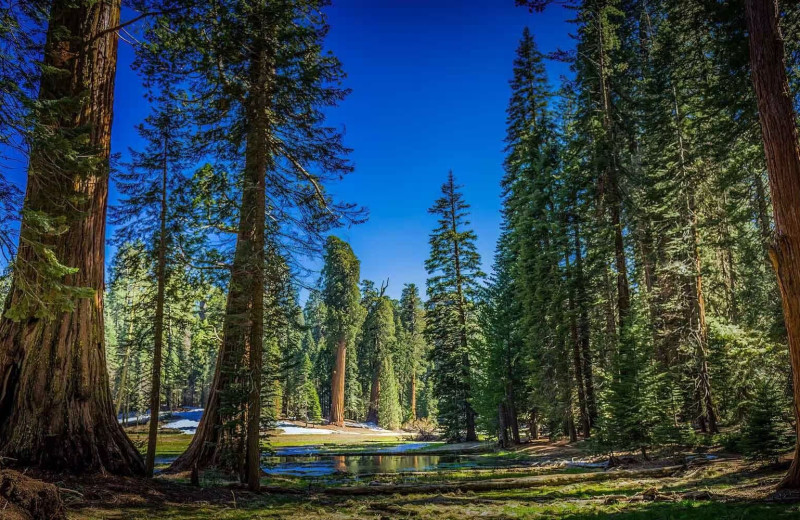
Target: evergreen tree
413,348
262,116
384,399
344,317
763,432
453,277
148,211
59,266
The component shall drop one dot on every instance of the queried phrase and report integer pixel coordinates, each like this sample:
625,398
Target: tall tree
55,403
384,400
453,282
782,150
412,322
260,113
148,212
344,315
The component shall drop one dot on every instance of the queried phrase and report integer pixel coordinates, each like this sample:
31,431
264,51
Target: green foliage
452,329
764,430
344,313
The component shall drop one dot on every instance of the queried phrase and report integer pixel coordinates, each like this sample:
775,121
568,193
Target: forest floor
547,480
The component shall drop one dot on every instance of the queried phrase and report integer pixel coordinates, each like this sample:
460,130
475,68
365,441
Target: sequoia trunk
56,408
337,383
222,438
779,131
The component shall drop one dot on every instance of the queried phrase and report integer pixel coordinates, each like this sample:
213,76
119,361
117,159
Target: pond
309,461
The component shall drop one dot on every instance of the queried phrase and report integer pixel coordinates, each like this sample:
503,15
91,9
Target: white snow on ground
186,421
366,425
293,429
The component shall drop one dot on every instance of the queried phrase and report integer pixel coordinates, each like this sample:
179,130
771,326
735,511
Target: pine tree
763,432
148,212
384,399
524,259
453,277
414,348
262,115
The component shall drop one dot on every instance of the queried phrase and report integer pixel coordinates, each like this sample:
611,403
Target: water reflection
322,465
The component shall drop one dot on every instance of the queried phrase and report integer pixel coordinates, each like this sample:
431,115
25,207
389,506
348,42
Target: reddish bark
221,440
337,383
56,409
779,130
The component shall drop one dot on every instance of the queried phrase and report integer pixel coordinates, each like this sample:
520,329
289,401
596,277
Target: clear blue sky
430,88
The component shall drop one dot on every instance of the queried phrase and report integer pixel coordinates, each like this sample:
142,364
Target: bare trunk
56,408
577,360
375,391
502,427
534,424
337,384
583,330
779,131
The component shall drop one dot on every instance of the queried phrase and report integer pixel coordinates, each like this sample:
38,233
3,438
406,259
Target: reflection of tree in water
339,464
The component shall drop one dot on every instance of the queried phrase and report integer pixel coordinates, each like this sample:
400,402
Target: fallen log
499,484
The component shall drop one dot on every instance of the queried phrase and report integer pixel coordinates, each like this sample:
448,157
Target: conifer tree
763,432
453,277
780,136
148,211
261,115
384,399
415,348
55,308
345,315
526,267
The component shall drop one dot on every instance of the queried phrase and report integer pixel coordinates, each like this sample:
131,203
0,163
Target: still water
323,465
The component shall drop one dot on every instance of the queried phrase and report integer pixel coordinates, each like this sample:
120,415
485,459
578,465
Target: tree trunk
337,383
698,328
221,438
375,390
583,330
577,361
463,336
414,394
779,131
614,196
471,432
502,426
56,408
534,424
155,388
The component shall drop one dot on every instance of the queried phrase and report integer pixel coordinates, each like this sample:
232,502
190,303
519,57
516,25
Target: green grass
425,507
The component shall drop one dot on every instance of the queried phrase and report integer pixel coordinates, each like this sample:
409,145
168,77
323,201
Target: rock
29,499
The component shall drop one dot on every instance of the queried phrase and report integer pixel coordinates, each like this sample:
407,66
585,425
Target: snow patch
292,429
